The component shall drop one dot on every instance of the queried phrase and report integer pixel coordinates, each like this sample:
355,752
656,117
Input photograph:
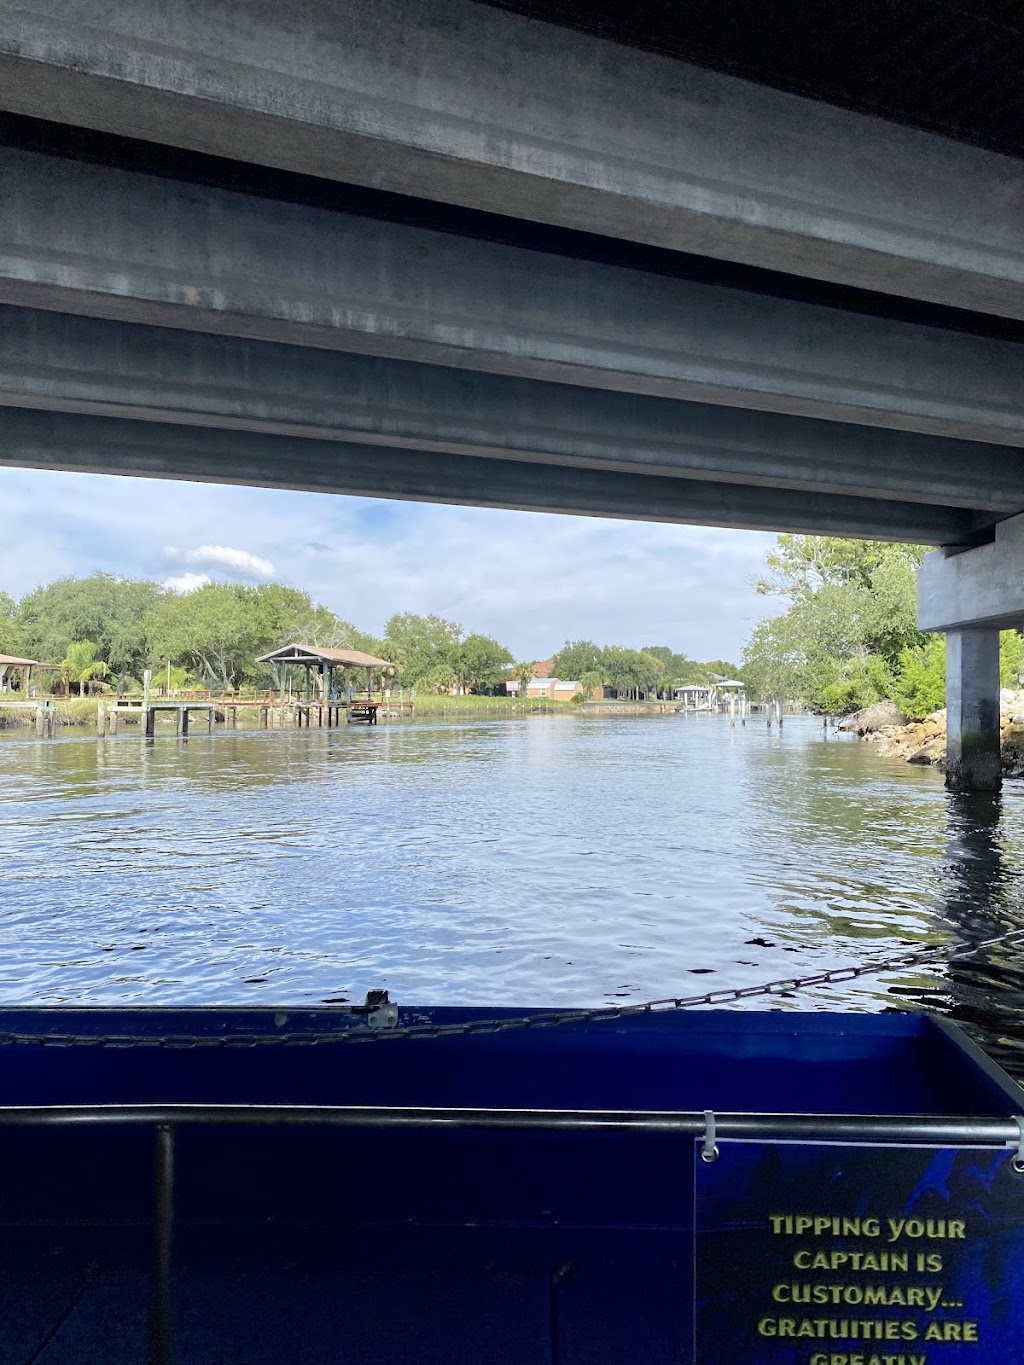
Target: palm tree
82,665
590,681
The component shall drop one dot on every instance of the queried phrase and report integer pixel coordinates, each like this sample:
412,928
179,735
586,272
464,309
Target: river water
548,859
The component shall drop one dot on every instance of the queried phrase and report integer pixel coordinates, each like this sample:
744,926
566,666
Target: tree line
106,630
109,628
654,671
848,635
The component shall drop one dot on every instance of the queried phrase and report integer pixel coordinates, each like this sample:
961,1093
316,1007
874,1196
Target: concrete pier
972,710
972,596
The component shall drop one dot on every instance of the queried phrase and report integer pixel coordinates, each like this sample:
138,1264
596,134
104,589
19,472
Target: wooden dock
107,716
44,713
358,711
317,713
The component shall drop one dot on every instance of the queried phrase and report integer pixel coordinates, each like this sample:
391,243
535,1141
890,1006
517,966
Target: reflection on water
547,860
985,990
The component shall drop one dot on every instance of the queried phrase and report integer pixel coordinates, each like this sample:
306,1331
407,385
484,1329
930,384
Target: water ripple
545,860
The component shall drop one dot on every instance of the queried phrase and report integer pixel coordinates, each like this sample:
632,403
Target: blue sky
531,580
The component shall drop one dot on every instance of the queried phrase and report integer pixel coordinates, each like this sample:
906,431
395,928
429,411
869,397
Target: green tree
1011,658
522,673
591,682
424,649
861,681
631,672
81,666
920,684
105,609
482,663
799,566
849,627
215,632
678,669
775,661
575,658
719,669
11,640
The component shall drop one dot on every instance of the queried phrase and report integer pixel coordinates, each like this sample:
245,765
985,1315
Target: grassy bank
431,704
70,711
81,711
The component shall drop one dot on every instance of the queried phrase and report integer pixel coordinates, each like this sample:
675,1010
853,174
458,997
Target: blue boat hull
213,1186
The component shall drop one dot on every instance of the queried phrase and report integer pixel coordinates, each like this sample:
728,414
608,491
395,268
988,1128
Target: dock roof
320,654
8,660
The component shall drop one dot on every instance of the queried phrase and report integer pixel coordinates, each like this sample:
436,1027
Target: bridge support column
972,710
971,595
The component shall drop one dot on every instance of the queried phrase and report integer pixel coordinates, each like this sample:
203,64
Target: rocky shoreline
924,741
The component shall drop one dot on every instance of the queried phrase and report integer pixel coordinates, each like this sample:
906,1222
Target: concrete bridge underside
430,249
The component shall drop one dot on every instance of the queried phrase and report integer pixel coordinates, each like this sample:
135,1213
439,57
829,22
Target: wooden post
150,722
779,712
101,719
113,722
732,711
184,722
178,718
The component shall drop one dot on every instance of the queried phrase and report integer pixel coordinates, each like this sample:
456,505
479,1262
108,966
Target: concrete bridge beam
102,445
983,586
75,364
103,242
402,94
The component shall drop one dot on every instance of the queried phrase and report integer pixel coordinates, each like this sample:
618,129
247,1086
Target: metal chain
539,1019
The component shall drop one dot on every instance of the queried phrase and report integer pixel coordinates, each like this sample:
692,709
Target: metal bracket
380,1012
709,1147
1017,1160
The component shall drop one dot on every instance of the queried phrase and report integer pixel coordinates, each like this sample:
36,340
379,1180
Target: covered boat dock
324,697
10,665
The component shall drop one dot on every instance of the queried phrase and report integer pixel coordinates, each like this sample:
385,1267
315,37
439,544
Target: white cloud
187,582
227,557
531,580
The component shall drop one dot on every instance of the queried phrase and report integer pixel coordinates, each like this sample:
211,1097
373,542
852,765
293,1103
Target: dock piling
46,721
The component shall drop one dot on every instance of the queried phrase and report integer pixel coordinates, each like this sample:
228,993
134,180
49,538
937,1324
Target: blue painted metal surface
456,1244
887,1255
